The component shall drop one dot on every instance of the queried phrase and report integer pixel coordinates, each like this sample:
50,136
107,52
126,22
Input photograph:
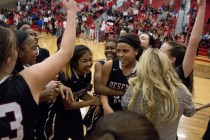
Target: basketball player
183,58
95,112
115,73
76,75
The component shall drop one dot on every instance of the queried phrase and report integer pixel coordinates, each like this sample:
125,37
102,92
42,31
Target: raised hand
201,3
66,93
70,5
48,95
53,84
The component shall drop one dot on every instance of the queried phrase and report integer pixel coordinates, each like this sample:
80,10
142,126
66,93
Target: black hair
58,42
152,41
111,40
178,51
78,52
73,64
18,66
21,37
133,41
20,24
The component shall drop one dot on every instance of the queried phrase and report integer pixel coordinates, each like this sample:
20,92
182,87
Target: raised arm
38,75
189,59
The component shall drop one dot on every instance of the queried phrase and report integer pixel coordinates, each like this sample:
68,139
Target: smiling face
84,63
29,51
110,50
126,54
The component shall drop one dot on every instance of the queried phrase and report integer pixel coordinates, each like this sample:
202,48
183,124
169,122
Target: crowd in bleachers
133,17
122,16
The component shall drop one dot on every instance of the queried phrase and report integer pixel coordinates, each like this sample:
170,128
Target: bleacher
201,50
157,3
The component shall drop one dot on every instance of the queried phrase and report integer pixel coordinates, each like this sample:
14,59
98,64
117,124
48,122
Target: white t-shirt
64,24
46,19
103,26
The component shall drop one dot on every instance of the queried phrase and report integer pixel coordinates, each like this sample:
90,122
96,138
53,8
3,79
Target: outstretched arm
202,107
189,59
38,75
87,101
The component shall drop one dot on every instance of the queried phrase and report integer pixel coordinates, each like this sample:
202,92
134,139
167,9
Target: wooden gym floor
189,128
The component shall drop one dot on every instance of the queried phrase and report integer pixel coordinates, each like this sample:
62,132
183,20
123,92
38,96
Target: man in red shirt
92,31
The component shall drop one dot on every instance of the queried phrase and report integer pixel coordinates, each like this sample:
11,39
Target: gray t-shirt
167,131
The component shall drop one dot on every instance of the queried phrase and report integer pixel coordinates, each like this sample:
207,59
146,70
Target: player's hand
48,95
70,5
66,93
201,3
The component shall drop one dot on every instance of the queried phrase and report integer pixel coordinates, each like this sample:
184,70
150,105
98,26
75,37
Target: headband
130,41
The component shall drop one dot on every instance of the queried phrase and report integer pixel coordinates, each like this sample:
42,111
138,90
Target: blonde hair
157,82
67,71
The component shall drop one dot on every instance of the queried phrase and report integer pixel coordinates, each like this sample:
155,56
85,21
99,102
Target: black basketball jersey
180,72
77,83
43,54
17,109
117,80
68,123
